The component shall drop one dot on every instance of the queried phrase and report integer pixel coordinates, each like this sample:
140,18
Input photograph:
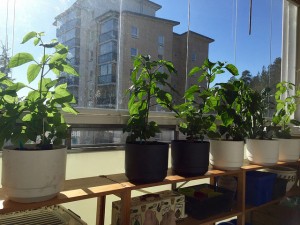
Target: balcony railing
107,122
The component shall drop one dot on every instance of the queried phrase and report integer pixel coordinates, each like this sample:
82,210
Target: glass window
194,56
133,52
108,47
106,28
134,31
109,25
161,40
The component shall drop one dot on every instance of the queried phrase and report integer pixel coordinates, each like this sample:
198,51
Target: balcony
111,35
107,79
112,56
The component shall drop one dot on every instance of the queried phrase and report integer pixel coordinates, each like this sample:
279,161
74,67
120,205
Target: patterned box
159,203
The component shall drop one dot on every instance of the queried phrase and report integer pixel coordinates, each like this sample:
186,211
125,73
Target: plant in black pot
287,98
190,157
35,172
261,148
145,160
227,151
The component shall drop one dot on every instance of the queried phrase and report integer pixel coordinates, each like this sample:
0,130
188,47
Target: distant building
102,46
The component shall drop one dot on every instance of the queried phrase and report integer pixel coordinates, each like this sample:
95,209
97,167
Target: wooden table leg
125,207
241,196
100,210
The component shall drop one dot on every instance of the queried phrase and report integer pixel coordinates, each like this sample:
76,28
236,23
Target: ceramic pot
33,175
262,152
287,173
289,150
226,155
146,162
190,158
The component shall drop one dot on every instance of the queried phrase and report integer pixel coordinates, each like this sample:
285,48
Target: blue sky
213,18
251,52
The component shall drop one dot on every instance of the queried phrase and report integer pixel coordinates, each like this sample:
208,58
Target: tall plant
196,114
37,116
149,83
287,98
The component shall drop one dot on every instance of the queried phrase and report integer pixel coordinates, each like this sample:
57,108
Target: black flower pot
190,158
146,162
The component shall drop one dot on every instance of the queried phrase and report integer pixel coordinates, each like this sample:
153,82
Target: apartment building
104,36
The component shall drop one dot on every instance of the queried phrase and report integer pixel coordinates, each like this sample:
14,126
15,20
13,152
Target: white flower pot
262,152
287,173
33,175
226,155
289,150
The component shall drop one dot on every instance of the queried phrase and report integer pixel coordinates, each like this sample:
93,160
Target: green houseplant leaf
149,82
197,119
32,116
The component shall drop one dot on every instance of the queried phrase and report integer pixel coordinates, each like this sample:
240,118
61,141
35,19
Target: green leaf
27,118
16,87
69,109
36,41
33,96
194,70
28,36
232,69
20,59
9,99
70,70
32,72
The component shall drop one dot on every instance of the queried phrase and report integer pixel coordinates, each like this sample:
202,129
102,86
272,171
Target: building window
134,32
133,52
108,47
109,25
160,56
194,56
91,56
161,50
161,40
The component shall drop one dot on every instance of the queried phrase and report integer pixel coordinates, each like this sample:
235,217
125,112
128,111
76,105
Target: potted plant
146,161
261,148
190,157
35,172
227,151
286,98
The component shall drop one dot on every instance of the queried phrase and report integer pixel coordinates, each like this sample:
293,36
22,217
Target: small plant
231,110
37,116
196,116
286,105
148,80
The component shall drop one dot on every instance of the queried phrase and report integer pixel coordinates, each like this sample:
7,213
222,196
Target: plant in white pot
227,151
146,160
190,157
287,97
35,172
261,148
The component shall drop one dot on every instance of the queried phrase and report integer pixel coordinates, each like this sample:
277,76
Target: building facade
103,38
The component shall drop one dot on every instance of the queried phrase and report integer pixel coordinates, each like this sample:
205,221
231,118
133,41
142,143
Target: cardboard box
160,203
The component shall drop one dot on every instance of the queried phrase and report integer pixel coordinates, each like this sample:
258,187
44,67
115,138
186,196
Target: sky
215,19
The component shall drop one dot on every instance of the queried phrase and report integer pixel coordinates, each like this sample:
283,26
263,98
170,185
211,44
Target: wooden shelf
117,184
